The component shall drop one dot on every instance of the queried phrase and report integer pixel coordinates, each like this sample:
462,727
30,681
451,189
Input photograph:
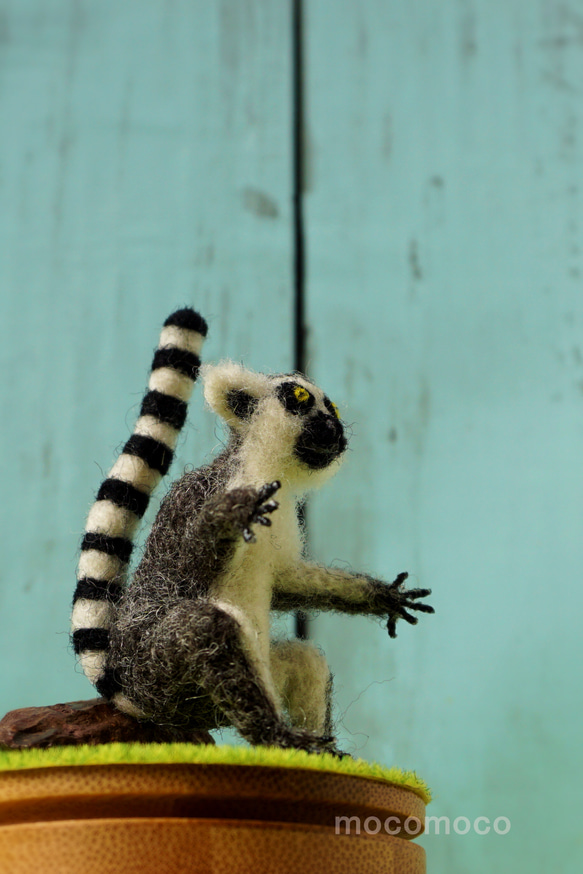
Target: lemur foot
398,600
296,739
261,507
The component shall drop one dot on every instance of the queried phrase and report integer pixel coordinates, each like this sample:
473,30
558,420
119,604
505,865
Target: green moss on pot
144,754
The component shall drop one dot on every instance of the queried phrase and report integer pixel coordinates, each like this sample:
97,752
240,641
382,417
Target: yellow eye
301,394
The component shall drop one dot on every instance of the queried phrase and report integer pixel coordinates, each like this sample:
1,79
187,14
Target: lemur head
285,426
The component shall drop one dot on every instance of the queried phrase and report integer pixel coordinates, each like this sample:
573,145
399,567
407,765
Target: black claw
423,608
340,754
268,490
417,593
412,620
399,580
392,626
248,536
263,520
302,740
413,605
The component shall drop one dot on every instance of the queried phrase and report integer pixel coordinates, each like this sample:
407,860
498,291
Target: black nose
326,430
321,441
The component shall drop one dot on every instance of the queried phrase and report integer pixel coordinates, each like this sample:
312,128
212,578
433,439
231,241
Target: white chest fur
247,583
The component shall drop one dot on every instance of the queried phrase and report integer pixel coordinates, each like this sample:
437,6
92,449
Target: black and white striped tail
123,497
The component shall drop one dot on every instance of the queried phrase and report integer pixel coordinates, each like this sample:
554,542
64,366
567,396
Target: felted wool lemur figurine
187,643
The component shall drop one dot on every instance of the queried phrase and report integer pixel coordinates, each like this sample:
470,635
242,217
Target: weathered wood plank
445,311
145,160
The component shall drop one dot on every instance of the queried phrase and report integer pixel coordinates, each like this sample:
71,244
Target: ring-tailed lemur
187,643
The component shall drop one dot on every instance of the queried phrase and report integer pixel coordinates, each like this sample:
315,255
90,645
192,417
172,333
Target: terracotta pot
208,819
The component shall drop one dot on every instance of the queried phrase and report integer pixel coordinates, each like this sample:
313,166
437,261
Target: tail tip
189,319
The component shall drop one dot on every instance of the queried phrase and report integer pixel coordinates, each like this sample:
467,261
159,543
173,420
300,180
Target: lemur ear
241,403
233,392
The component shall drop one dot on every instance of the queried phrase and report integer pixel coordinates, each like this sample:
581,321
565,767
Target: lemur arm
315,587
195,533
228,516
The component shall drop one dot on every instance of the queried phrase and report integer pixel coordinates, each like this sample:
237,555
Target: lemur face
283,415
321,439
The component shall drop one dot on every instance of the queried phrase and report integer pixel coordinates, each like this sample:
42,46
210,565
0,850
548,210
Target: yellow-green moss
115,754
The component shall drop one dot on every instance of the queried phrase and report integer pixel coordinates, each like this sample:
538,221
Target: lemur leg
304,683
198,649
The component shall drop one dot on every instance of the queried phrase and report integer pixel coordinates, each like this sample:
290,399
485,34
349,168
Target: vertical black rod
298,183
301,620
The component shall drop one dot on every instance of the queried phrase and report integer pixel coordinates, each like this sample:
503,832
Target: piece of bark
84,722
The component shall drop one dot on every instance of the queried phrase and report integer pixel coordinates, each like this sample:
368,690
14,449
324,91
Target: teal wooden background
146,161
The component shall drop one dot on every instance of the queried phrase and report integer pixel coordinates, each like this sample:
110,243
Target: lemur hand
261,506
396,600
